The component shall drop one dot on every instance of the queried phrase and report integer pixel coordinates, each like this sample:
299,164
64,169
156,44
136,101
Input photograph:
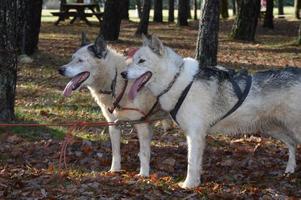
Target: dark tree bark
171,10
233,7
182,13
189,9
207,43
8,57
143,24
297,6
299,35
125,4
280,8
244,27
268,18
195,9
158,9
224,9
139,8
30,14
111,20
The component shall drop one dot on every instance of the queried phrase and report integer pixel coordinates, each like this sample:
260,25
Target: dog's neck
170,98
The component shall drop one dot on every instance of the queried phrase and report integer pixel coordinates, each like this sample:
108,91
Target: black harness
231,76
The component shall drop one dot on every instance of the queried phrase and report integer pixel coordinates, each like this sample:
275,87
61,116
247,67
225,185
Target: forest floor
239,167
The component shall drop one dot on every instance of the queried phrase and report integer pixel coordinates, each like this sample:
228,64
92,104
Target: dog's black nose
124,74
62,70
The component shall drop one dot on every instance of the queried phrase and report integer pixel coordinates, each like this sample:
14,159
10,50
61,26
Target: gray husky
97,67
199,99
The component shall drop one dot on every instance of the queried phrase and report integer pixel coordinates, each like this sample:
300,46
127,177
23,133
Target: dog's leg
284,135
145,135
196,145
115,142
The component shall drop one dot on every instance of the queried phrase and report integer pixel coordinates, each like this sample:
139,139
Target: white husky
271,104
98,67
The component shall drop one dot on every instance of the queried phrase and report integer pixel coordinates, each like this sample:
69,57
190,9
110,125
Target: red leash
71,128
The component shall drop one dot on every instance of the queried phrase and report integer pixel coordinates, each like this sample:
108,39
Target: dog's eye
80,60
141,61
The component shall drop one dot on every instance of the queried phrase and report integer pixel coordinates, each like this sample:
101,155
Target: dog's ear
99,48
156,45
85,41
145,40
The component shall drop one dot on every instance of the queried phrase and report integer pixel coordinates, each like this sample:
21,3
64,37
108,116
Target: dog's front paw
115,169
143,174
189,184
290,169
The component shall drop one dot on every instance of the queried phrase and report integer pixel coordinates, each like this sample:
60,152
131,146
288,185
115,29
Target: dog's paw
115,169
189,184
143,174
290,169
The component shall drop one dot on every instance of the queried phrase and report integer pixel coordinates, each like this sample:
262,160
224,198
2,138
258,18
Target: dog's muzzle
62,71
124,74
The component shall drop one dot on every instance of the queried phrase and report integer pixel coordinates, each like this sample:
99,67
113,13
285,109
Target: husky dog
270,106
97,67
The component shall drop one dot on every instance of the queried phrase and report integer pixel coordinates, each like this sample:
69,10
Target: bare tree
280,8
125,4
30,23
207,42
299,35
144,20
268,18
182,13
9,24
297,6
111,20
171,10
158,9
195,3
245,25
224,9
139,8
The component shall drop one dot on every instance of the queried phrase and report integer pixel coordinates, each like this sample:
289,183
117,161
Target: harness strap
118,99
241,98
151,111
174,111
240,95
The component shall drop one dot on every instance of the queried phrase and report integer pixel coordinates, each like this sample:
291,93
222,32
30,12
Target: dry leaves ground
241,167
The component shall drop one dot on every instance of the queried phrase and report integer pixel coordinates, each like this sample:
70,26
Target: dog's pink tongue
69,87
135,87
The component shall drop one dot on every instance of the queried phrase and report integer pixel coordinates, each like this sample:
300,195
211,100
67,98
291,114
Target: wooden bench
99,15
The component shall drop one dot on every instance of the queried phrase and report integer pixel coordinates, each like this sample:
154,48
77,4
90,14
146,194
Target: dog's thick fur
102,73
272,105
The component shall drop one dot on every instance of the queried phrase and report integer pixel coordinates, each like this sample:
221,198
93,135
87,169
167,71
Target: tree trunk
8,57
182,13
233,7
244,27
125,9
297,6
299,35
195,10
111,20
189,9
207,42
28,36
268,18
171,10
158,9
280,8
143,24
139,8
224,9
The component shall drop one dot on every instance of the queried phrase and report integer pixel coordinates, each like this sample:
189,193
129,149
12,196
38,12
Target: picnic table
79,13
